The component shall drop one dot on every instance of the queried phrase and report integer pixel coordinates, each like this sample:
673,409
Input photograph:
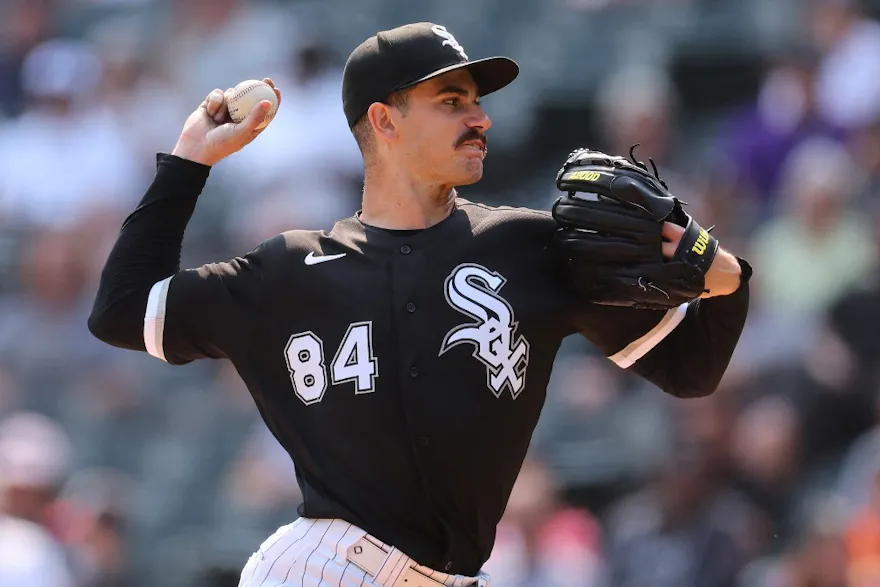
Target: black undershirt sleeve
145,302
683,351
691,361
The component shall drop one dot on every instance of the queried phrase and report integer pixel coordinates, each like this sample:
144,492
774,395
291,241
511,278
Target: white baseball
243,97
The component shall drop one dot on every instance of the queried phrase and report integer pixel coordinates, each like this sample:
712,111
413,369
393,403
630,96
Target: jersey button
424,441
406,249
413,372
448,566
410,307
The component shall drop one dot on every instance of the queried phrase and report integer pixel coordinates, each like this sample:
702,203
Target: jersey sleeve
204,312
625,335
145,301
684,351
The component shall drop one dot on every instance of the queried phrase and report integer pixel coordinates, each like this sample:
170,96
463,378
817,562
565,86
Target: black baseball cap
402,57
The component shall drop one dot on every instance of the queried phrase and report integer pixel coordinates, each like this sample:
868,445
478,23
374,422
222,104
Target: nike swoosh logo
311,259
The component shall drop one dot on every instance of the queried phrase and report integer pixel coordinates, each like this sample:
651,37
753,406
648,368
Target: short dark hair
363,132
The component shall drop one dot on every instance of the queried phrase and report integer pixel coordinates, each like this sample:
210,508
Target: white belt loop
367,556
383,565
388,566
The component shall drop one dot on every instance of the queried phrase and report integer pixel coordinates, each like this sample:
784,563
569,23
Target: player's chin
470,170
468,178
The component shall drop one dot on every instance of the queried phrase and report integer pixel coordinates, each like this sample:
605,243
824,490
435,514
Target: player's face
442,134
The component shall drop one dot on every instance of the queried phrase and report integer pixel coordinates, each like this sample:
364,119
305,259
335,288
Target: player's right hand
209,135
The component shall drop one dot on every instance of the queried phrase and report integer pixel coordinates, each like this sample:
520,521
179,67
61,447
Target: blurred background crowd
764,115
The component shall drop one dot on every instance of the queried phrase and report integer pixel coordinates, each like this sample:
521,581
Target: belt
381,564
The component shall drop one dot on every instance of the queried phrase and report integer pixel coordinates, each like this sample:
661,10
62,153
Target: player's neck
397,204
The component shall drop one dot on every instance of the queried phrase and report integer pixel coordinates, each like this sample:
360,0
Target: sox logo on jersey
473,290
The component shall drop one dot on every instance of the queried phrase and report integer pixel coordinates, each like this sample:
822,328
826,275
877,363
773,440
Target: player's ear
382,121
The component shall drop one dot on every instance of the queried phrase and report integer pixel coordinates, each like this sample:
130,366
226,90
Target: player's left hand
723,276
624,240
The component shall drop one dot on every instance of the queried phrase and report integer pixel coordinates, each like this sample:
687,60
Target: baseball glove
609,235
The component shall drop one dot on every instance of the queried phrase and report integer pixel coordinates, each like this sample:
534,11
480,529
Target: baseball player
402,357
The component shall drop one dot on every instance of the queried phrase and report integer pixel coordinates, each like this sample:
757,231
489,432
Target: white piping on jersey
154,319
638,348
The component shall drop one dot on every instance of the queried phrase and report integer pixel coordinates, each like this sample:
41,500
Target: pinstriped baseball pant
313,553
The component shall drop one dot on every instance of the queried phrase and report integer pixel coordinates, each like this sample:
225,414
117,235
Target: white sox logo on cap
449,40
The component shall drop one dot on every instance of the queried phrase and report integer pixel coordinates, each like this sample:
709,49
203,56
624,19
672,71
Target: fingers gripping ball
610,236
245,96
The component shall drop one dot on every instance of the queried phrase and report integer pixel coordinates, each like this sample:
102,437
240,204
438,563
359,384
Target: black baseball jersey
403,371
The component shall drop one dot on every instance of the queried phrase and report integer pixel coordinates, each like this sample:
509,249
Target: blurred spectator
863,540
818,246
42,333
865,147
25,24
600,436
849,356
836,406
821,557
34,462
29,556
848,82
757,140
208,44
64,161
136,90
261,483
93,507
543,541
679,530
765,454
10,394
857,480
217,577
711,424
637,104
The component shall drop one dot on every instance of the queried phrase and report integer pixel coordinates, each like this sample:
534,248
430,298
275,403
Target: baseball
246,95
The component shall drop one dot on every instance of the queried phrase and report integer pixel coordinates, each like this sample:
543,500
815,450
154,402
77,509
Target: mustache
472,135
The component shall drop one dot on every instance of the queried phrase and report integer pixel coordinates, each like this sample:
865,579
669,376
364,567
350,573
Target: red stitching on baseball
269,116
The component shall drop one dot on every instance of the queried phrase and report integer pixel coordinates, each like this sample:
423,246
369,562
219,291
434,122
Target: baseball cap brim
490,73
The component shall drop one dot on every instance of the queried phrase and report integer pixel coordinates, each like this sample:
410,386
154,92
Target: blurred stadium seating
764,116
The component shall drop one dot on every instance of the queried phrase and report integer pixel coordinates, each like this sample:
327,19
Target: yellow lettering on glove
585,175
702,240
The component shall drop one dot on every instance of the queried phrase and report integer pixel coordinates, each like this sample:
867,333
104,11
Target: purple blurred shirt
757,152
